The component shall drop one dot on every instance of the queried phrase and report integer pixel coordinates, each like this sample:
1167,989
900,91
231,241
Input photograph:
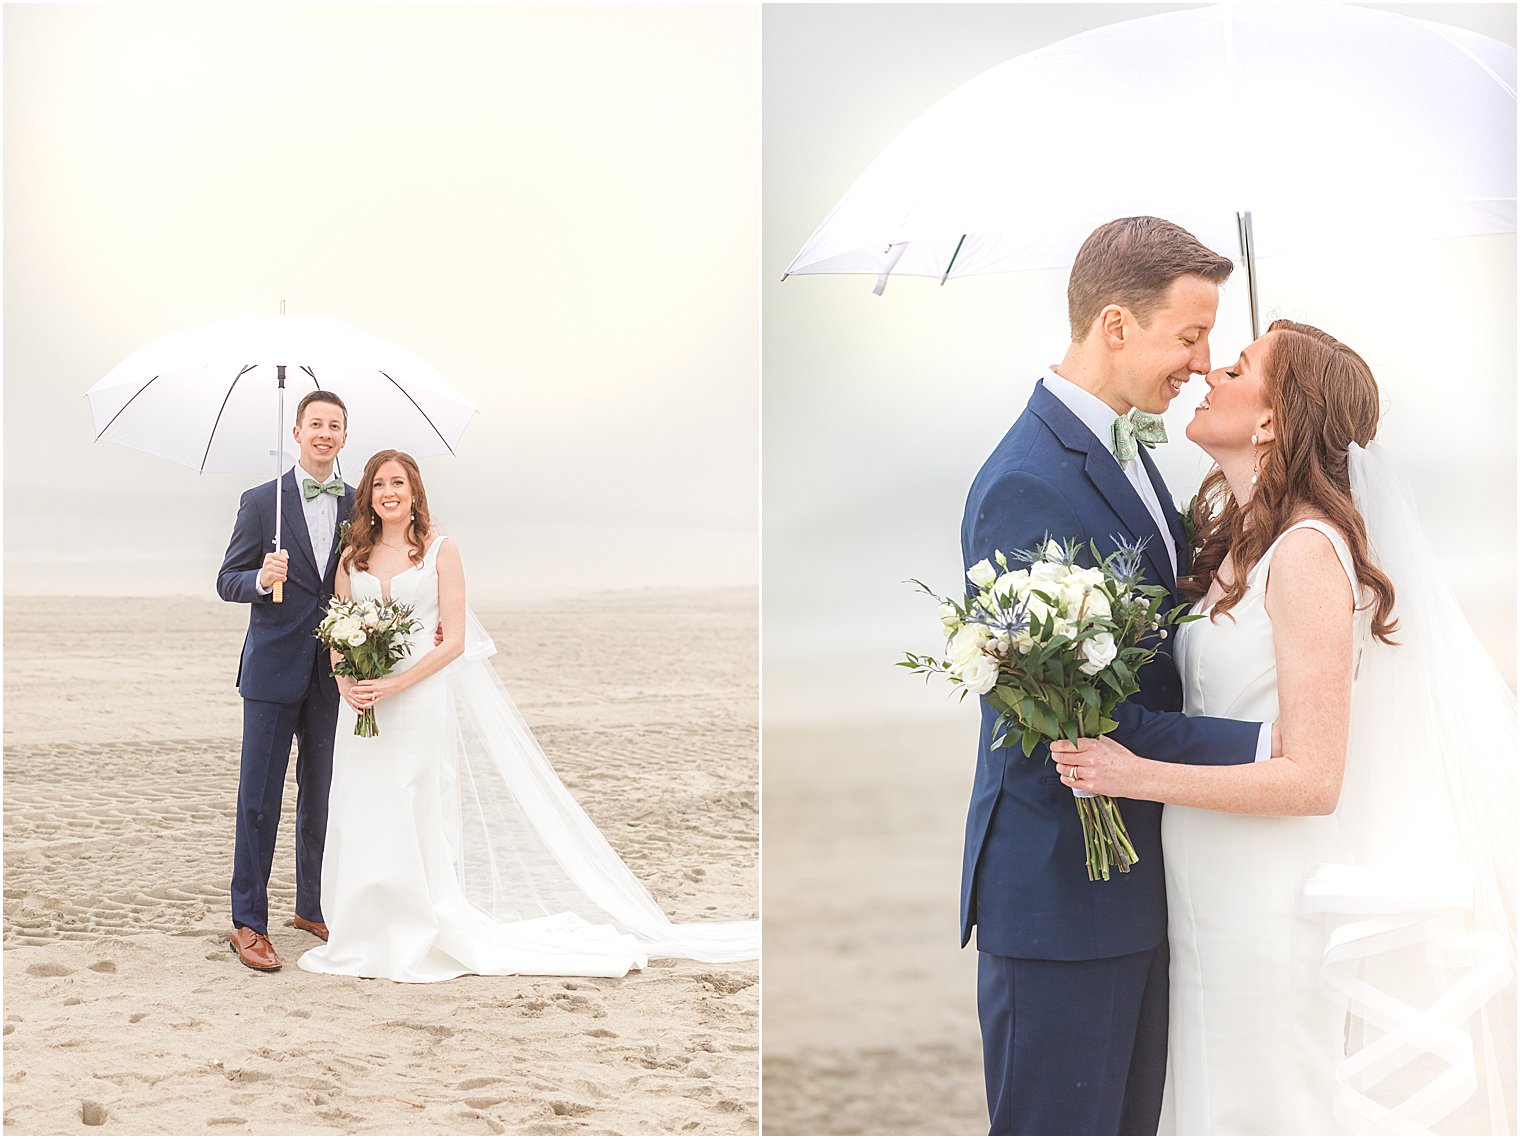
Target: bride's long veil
1421,945
523,846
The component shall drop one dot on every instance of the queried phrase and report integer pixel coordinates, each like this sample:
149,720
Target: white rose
344,628
1047,572
982,574
967,643
979,674
357,639
1014,583
1097,604
948,617
1100,652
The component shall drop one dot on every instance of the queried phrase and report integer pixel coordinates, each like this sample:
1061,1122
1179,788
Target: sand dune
126,1012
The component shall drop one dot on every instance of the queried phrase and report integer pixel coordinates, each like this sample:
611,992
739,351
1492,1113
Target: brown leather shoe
253,949
315,928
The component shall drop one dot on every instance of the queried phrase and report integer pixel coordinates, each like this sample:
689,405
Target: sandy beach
870,1005
125,1011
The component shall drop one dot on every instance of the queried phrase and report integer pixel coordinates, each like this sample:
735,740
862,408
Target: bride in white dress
1341,918
452,848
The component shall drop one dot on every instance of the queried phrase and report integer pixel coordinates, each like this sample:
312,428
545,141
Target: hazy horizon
528,197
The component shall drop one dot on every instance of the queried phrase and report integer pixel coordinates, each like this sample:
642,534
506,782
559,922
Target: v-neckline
400,573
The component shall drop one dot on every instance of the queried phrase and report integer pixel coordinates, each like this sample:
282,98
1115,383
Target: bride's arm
443,653
342,588
1309,601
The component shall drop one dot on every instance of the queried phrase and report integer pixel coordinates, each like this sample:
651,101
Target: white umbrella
1267,128
213,397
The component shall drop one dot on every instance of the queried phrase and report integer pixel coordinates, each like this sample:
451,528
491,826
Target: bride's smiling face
390,495
1236,406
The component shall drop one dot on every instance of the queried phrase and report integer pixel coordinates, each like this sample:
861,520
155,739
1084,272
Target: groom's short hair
319,396
1133,262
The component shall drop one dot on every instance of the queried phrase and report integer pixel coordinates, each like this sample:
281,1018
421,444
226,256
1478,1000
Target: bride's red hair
364,523
1323,398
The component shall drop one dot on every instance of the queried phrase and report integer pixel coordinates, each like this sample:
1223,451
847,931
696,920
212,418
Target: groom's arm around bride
1072,989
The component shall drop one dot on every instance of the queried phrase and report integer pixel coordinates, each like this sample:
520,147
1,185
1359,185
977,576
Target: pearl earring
1255,462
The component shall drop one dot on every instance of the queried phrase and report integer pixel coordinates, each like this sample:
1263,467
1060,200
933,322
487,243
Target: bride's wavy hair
1323,398
364,523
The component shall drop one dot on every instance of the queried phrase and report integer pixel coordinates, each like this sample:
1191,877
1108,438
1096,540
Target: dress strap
430,555
1342,550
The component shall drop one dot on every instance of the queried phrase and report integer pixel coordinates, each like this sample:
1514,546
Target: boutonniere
1189,527
342,536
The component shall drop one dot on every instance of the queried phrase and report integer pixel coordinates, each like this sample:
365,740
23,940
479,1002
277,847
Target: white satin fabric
453,848
1254,1042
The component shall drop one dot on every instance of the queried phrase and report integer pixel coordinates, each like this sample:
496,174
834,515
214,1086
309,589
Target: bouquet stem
365,726
1103,834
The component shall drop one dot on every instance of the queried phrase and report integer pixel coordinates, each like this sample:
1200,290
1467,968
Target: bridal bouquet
1054,647
371,636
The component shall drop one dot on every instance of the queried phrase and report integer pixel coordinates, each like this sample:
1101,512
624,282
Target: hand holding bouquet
1054,648
370,636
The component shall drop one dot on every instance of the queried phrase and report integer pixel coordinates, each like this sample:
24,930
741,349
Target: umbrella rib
246,369
123,408
953,256
420,412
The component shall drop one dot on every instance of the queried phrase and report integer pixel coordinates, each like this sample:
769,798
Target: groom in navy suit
1072,974
284,677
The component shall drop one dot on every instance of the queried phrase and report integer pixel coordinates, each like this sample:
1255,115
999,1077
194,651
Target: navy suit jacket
280,650
1024,879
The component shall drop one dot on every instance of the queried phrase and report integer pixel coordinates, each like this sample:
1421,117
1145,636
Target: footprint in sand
103,967
92,1113
475,1082
48,969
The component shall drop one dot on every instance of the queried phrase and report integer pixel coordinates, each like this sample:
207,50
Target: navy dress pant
1074,1047
268,729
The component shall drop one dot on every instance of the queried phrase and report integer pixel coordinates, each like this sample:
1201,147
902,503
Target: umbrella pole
278,593
1248,259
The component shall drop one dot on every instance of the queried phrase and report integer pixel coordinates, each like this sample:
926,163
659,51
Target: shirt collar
303,473
1095,415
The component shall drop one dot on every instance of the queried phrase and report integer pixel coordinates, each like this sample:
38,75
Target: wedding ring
1075,778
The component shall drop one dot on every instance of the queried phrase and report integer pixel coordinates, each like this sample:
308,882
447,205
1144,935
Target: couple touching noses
1202,970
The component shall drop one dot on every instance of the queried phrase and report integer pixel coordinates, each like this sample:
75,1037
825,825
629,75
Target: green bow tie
310,488
1133,429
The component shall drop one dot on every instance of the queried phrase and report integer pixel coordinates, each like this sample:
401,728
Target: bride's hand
367,692
1102,766
346,692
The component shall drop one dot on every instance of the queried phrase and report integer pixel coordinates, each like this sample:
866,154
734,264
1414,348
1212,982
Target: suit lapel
1168,508
345,510
294,517
1109,479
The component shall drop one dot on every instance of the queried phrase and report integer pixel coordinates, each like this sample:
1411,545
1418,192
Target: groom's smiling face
320,434
1159,356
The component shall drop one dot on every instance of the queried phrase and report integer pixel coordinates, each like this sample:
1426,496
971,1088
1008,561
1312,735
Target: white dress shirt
1099,418
321,521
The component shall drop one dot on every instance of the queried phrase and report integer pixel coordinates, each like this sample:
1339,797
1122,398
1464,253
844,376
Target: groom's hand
1276,741
274,568
438,635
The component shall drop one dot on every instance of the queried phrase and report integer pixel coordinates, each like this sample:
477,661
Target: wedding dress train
453,848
